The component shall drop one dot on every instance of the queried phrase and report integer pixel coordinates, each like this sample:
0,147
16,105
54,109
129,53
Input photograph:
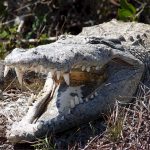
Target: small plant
114,131
127,12
38,27
115,125
8,39
44,144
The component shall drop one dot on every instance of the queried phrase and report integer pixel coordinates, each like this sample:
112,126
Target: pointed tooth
83,68
86,99
88,69
66,78
96,94
19,74
6,70
76,99
49,75
72,104
92,96
62,118
69,111
81,100
58,75
52,71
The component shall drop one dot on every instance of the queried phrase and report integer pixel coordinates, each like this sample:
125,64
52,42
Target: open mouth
63,91
85,77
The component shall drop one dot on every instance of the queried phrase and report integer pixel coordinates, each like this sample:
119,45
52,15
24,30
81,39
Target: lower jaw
55,112
66,97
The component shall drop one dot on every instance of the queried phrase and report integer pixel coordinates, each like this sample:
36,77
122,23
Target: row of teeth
78,100
84,68
20,72
74,102
40,69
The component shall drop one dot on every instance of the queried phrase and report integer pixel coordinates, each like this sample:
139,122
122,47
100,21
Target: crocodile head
85,75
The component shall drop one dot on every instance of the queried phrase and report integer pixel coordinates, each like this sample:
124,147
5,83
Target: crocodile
86,75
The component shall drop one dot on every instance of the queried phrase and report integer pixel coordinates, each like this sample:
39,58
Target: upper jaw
25,63
59,55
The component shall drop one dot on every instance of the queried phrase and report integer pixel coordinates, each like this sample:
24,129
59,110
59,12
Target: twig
96,137
13,20
9,84
32,41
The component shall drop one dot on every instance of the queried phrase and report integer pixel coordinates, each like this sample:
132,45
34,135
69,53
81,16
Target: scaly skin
121,49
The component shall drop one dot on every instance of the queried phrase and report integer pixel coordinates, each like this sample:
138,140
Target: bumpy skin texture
122,47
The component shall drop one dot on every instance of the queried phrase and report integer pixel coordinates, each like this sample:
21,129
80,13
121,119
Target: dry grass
127,127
